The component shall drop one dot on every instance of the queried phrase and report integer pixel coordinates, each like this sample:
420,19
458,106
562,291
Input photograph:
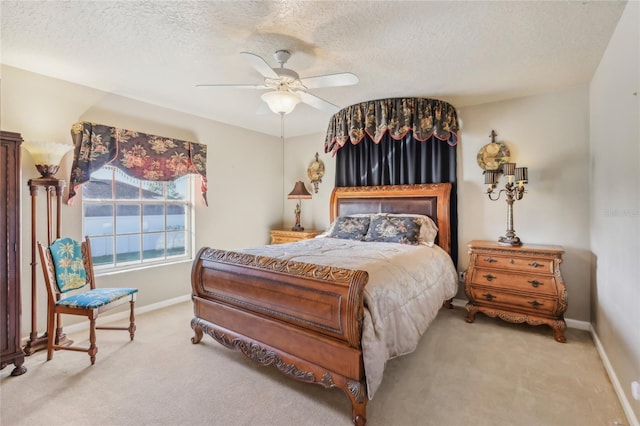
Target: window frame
188,203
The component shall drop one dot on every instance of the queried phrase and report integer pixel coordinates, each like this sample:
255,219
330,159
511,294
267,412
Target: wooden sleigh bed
302,318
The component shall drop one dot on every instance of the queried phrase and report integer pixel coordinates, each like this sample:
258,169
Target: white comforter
407,285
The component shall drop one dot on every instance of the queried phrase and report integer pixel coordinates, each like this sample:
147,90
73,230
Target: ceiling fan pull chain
282,127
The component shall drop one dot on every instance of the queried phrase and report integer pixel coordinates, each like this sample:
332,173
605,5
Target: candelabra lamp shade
508,169
281,101
522,175
490,178
47,156
299,192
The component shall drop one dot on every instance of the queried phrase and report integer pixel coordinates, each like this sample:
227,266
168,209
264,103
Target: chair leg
51,326
132,321
93,349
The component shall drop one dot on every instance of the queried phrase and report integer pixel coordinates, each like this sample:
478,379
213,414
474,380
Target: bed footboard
301,318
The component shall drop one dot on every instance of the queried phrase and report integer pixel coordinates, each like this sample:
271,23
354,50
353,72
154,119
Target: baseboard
84,325
622,396
580,325
459,303
571,323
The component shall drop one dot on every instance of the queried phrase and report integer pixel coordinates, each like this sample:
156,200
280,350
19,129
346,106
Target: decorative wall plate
493,155
315,171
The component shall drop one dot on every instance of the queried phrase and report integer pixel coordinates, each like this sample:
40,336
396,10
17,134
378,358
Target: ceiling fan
286,87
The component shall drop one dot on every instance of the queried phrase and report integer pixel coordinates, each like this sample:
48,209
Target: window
133,222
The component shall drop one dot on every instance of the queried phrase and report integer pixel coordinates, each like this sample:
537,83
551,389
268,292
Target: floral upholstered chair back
68,264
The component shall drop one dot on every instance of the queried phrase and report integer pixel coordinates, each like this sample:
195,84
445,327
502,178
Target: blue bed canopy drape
397,141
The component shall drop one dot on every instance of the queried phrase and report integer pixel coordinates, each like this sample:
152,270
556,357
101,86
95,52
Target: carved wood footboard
304,319
301,318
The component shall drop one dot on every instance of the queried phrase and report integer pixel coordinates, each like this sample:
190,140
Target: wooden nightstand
280,236
517,284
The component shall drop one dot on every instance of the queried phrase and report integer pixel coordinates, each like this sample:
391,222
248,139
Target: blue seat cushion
95,298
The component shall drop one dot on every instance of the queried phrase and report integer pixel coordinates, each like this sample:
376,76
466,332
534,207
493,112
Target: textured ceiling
463,52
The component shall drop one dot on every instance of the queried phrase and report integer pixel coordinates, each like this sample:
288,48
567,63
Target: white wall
299,153
547,133
238,162
615,200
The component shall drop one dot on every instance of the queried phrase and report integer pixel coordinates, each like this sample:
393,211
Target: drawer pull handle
489,277
535,283
536,265
536,304
489,296
490,260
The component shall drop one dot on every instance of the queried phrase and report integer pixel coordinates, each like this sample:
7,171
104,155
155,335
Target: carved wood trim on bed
303,319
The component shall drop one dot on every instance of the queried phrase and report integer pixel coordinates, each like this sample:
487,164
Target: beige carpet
486,373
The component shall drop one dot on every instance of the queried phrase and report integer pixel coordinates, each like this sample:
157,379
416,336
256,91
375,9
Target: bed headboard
431,199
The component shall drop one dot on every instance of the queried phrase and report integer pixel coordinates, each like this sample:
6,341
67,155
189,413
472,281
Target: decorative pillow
331,227
428,228
394,229
350,227
67,263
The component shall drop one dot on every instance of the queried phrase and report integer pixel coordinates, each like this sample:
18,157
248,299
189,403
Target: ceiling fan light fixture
281,101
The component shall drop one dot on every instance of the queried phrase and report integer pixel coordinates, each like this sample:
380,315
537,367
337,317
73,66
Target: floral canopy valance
139,155
424,117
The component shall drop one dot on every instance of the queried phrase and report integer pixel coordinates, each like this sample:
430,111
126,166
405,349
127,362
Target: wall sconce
47,156
513,191
299,192
315,171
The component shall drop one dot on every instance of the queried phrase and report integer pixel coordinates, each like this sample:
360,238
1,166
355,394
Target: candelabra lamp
47,157
514,189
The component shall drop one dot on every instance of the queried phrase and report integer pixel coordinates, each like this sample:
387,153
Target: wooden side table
280,236
517,284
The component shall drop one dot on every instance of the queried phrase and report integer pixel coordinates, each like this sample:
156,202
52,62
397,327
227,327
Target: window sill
138,267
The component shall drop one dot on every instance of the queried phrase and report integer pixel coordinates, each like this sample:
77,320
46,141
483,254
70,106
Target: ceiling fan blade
330,80
259,64
318,103
235,86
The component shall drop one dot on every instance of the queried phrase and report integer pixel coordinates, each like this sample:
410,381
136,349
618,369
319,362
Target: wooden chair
68,267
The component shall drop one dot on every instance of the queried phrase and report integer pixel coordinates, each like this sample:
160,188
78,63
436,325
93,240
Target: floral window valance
139,155
424,117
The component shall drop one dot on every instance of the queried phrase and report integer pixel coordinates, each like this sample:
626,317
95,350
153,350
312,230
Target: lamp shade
490,177
508,168
299,192
47,153
522,174
281,101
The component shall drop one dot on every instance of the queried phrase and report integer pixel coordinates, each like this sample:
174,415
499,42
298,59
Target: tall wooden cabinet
10,350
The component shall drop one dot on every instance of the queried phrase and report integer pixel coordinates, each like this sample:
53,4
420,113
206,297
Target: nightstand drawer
540,266
281,236
497,298
543,284
277,239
